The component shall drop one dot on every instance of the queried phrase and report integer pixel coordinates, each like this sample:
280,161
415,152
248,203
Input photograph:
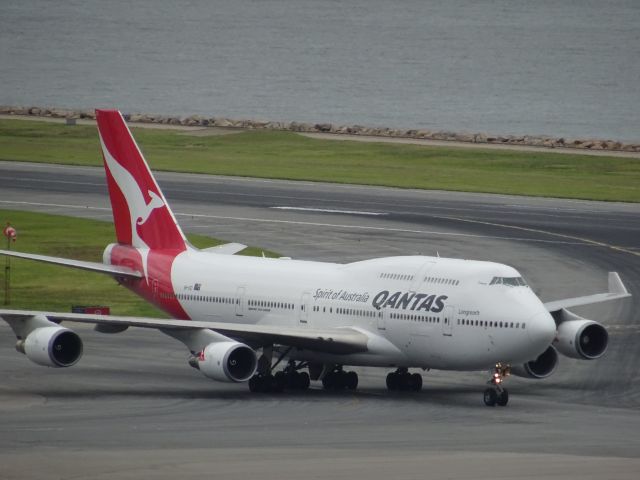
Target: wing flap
330,340
114,270
617,290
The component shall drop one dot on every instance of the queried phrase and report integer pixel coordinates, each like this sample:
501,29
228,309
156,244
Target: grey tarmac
133,408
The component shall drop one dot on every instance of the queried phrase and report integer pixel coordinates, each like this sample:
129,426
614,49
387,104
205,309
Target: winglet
615,284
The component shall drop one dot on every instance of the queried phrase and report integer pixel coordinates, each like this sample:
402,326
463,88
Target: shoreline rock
422,134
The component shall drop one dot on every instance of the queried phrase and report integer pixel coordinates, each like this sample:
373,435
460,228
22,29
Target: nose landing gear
496,394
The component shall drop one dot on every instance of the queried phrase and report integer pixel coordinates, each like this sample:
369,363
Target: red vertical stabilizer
140,212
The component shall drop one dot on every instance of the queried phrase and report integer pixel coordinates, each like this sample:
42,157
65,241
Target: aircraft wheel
302,381
503,398
404,381
328,382
415,382
254,384
490,397
279,382
351,380
291,380
392,382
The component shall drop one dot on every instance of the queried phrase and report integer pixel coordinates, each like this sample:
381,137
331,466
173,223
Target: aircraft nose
541,329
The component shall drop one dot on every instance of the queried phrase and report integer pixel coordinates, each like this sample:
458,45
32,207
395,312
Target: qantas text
409,301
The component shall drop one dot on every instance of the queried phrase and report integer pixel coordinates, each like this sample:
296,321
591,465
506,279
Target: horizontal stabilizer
329,340
114,270
617,290
226,249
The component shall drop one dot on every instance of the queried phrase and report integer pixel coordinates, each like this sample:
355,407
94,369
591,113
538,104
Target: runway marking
576,240
329,210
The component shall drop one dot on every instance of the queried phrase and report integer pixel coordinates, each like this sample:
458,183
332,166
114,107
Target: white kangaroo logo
139,209
156,202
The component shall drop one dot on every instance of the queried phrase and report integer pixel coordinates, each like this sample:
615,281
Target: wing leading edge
330,340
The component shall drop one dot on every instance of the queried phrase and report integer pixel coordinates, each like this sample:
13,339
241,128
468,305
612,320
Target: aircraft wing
114,270
329,340
226,249
616,291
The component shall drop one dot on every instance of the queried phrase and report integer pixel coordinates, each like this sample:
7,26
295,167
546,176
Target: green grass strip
41,286
286,155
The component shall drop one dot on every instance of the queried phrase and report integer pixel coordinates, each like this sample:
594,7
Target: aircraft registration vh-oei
241,317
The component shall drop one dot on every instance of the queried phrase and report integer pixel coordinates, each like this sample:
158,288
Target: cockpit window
509,281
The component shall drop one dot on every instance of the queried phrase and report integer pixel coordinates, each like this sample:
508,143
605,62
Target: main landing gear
288,379
496,394
402,380
338,379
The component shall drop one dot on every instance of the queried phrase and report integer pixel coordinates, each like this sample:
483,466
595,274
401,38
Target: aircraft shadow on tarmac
456,395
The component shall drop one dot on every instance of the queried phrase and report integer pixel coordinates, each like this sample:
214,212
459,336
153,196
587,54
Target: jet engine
53,346
583,339
228,361
541,367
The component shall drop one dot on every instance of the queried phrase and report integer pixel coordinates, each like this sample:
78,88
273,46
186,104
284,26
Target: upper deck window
509,281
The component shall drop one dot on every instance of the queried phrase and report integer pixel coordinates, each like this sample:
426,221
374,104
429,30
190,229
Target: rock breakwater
222,122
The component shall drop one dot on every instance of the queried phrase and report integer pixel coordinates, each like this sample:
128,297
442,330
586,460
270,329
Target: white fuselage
416,311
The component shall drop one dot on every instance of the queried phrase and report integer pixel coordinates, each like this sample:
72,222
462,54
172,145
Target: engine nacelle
582,339
541,367
52,346
228,362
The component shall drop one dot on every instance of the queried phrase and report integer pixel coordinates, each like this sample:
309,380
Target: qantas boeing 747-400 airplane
241,317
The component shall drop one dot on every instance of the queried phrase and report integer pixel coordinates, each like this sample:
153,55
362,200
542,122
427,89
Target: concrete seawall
328,128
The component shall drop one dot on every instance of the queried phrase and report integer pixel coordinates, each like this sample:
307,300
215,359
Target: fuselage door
447,320
240,301
304,309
